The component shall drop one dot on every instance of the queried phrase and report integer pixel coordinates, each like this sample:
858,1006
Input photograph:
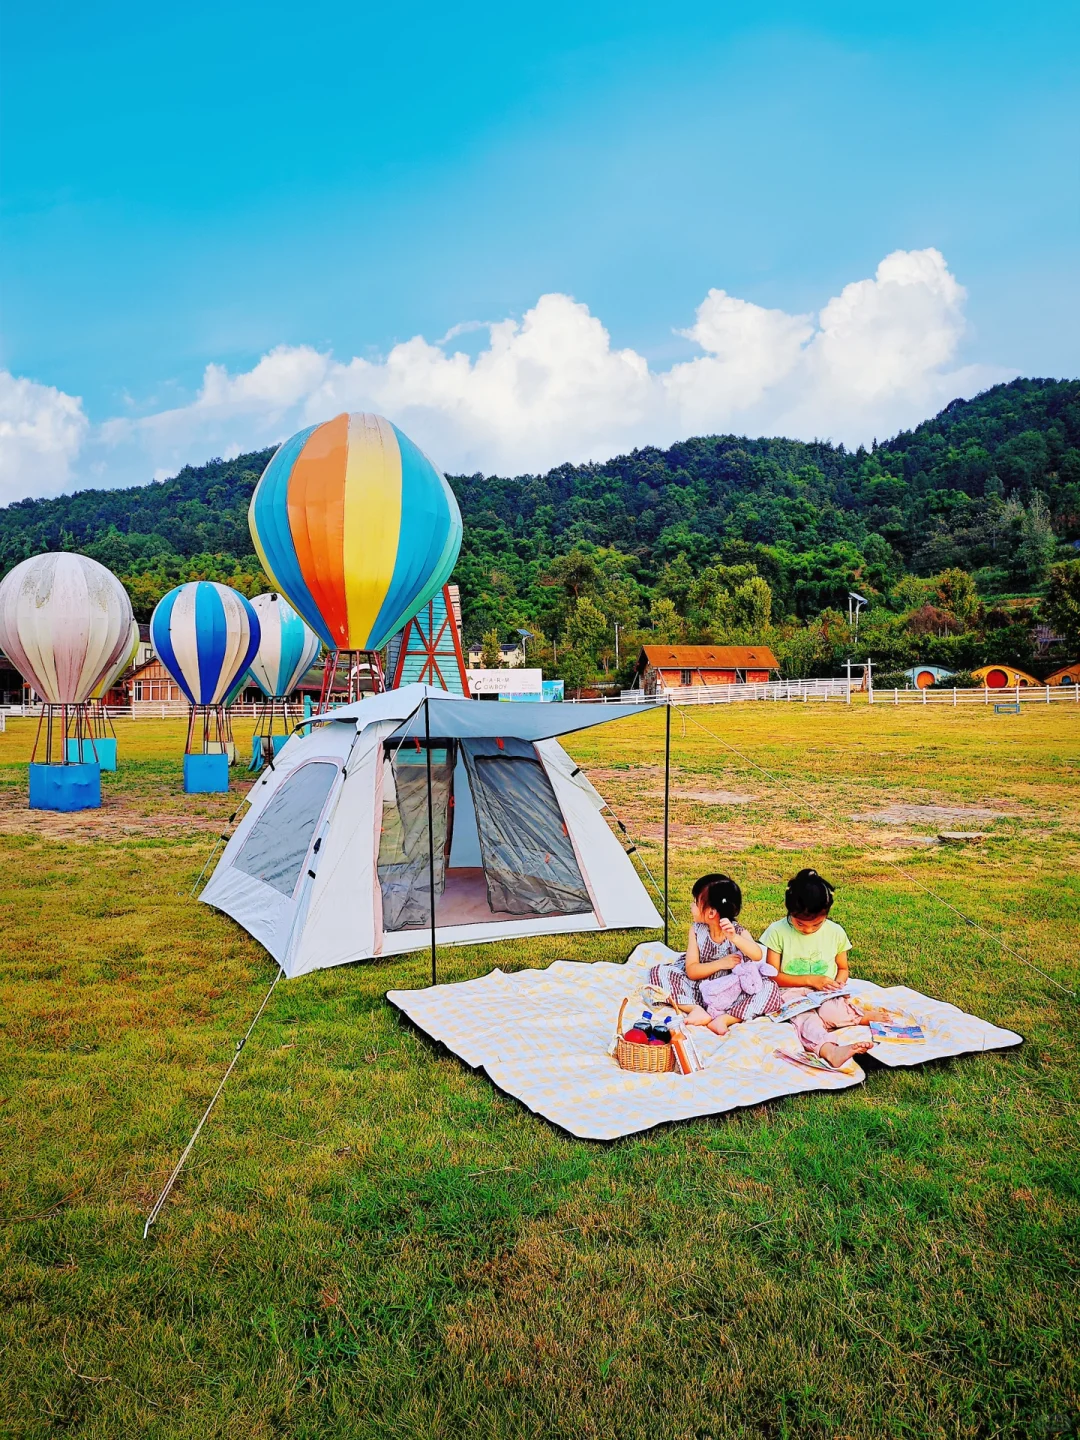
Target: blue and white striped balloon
205,635
288,648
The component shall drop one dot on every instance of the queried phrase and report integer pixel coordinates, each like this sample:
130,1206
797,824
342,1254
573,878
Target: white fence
778,690
1014,695
730,694
156,710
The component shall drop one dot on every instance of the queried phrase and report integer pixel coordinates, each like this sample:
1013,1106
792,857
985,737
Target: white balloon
288,646
127,659
65,621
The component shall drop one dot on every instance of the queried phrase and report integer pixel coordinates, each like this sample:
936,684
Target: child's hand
726,927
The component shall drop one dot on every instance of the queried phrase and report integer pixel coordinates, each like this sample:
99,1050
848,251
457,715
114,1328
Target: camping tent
332,862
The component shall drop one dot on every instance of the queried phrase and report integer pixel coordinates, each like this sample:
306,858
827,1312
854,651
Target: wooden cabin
11,682
152,682
669,667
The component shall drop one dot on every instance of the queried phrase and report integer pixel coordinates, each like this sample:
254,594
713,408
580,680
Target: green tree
491,650
1037,543
1062,603
957,593
587,629
575,670
665,623
753,604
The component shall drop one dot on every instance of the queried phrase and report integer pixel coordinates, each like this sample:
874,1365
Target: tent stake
156,1211
430,835
667,806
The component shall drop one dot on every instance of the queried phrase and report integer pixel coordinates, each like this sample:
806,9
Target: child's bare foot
722,1024
697,1016
839,1055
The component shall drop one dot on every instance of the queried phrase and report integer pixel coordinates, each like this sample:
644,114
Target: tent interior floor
464,901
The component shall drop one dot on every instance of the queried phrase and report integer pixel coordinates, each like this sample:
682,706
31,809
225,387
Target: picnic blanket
543,1037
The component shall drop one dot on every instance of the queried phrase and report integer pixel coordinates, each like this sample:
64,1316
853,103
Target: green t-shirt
806,954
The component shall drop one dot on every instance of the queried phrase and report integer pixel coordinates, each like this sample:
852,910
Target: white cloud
749,351
41,432
551,387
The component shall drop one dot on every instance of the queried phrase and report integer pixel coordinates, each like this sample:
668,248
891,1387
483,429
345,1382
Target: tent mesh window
529,861
277,844
404,875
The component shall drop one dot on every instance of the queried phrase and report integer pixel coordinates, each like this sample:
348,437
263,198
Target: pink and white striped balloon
64,623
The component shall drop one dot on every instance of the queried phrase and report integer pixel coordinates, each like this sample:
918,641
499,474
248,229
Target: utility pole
616,645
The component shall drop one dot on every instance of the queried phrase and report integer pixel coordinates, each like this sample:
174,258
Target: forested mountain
716,537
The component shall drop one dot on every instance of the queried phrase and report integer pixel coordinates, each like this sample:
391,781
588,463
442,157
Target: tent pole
667,806
430,835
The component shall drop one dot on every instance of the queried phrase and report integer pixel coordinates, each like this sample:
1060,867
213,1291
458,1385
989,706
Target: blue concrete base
206,774
105,750
65,787
258,753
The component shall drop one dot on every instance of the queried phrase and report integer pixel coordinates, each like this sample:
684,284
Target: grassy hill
991,487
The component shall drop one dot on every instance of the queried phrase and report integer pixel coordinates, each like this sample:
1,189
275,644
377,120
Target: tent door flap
529,861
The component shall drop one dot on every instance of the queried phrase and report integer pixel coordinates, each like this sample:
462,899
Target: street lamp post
855,602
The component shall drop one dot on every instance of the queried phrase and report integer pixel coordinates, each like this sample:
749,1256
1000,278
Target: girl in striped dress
716,942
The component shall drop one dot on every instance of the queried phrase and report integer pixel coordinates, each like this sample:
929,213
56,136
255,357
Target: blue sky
205,184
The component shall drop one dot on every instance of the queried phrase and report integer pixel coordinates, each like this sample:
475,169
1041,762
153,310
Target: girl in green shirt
810,952
807,948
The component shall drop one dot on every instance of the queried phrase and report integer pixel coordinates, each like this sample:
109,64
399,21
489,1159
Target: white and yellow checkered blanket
543,1036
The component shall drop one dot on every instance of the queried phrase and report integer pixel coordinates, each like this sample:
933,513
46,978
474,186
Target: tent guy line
528,823
156,1211
919,884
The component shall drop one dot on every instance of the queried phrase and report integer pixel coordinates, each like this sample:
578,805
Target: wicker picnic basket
645,1059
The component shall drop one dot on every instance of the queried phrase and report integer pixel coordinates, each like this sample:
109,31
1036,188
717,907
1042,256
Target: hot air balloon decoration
65,621
101,725
206,636
288,648
358,530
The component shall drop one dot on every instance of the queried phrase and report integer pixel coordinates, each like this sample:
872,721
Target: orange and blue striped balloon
356,528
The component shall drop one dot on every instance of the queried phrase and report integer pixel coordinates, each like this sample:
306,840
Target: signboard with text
506,682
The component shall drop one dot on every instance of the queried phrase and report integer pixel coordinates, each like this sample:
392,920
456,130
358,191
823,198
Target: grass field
369,1240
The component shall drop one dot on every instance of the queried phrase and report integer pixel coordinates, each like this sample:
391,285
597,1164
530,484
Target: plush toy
720,991
752,974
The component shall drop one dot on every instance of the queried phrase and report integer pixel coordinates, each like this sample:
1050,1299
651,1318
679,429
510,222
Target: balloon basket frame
209,731
101,722
343,674
209,751
65,736
273,717
273,726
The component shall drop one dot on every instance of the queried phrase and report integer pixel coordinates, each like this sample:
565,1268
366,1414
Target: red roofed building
667,667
